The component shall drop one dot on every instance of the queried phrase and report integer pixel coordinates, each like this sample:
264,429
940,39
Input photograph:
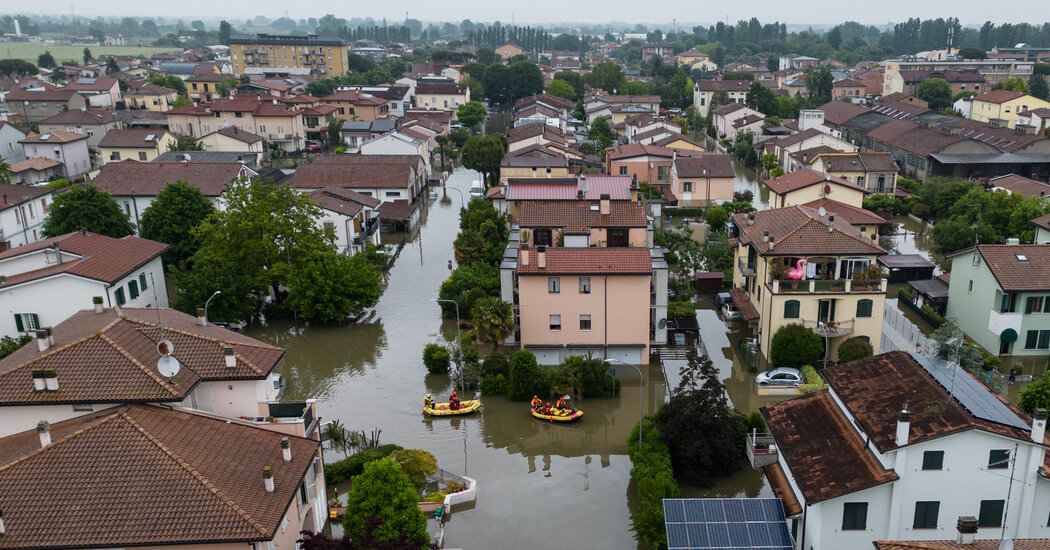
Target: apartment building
323,57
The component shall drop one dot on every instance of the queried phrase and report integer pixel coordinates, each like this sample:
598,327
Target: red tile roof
147,179
20,193
76,116
1042,221
99,84
998,96
1014,274
743,304
141,475
573,261
101,258
1022,185
361,176
617,187
239,135
60,94
851,214
631,150
705,165
799,179
135,138
858,162
580,216
56,136
440,88
342,201
993,544
38,164
801,231
782,489
824,454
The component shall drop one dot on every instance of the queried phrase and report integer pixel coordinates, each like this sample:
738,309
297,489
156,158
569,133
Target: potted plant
779,272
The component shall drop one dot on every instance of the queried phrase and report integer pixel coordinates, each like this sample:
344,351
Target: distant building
67,148
324,57
1003,107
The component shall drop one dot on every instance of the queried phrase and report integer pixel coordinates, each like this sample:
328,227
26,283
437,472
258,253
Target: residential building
22,212
36,104
509,50
447,96
646,122
847,88
1035,120
836,296
400,143
280,125
581,223
115,40
702,180
355,133
873,172
135,185
49,280
533,134
993,70
1002,107
1012,183
10,150
353,105
69,149
868,223
907,444
652,136
351,216
726,117
398,98
583,187
324,57
138,144
665,51
1042,229
385,177
572,301
101,92
681,143
93,124
998,296
805,185
797,62
908,81
692,56
203,87
150,97
36,170
810,138
231,138
512,167
618,108
645,163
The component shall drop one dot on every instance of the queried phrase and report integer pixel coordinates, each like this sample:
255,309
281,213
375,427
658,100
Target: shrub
526,378
654,476
853,349
795,345
436,357
343,470
496,363
814,382
716,218
340,150
435,497
494,384
906,294
1036,395
681,308
920,210
416,463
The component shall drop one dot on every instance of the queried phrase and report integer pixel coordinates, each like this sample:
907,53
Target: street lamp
459,341
208,301
641,386
462,202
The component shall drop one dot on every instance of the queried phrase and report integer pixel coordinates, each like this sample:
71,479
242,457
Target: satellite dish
822,212
168,366
662,323
165,348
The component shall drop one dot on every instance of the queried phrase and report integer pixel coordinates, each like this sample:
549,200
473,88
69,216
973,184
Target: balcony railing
293,411
831,329
279,137
744,268
820,286
761,449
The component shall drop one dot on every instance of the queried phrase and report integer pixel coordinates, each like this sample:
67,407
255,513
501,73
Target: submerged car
780,376
730,312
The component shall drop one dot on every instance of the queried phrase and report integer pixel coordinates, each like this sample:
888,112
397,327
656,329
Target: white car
780,376
477,189
730,312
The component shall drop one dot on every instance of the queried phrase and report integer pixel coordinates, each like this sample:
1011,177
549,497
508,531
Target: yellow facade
984,111
141,154
324,57
516,172
682,144
151,102
841,193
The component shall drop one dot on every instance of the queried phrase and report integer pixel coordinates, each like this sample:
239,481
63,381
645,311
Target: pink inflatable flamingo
797,272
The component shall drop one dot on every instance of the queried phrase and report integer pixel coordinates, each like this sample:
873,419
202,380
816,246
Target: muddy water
541,485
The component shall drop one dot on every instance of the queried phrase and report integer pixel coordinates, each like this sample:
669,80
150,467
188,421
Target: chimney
903,426
231,359
967,527
286,449
751,219
39,384
268,478
603,204
97,302
771,244
765,235
43,429
41,340
202,319
579,194
831,223
50,380
541,257
1039,425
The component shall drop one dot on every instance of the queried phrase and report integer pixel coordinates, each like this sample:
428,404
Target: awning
1008,335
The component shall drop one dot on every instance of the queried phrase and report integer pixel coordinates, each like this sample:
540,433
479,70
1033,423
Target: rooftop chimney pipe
231,359
41,340
202,319
541,257
967,527
286,449
43,429
1039,425
268,478
903,426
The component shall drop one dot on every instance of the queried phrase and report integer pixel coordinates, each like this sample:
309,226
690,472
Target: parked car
477,189
312,147
780,376
730,312
722,298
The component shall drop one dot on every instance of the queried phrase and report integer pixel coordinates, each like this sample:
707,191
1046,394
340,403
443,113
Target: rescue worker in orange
453,401
536,402
547,408
561,403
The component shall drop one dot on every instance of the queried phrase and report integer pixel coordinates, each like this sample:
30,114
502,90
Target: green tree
761,99
85,207
1015,84
795,345
185,143
225,30
111,66
385,491
484,154
854,348
601,132
526,378
835,37
787,107
169,81
573,79
5,170
178,209
718,99
633,87
493,320
1036,395
818,86
972,53
1039,88
17,67
937,92
10,345
471,113
327,286
607,76
526,79
416,463
87,56
561,88
498,86
46,60
716,218
436,358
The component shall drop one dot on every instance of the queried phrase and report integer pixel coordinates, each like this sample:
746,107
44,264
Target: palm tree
5,171
493,320
337,436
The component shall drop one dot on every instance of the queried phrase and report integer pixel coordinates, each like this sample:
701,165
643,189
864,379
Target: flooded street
540,485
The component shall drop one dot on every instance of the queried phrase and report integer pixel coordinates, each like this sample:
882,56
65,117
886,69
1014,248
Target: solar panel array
971,393
726,523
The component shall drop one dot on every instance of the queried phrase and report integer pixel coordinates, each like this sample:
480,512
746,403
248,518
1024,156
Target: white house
398,143
899,448
384,177
10,150
47,281
351,216
22,212
65,147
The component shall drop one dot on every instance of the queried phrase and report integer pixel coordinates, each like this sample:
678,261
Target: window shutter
18,323
36,321
142,281
864,308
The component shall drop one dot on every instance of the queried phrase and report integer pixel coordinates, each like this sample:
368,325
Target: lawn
65,52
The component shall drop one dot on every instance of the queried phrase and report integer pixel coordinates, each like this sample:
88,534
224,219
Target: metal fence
899,333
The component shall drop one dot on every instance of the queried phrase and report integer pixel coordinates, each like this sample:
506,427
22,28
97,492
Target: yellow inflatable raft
441,409
558,415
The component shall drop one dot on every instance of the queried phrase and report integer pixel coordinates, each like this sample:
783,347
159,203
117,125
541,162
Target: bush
795,345
494,384
436,357
435,497
416,463
906,294
526,378
654,476
1036,395
920,210
345,469
853,349
884,204
340,150
716,218
496,363
814,382
911,186
681,308
9,345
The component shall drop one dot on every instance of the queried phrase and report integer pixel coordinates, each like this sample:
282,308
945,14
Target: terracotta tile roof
837,112
55,136
76,116
364,176
239,135
20,193
801,231
727,85
749,119
135,138
858,162
782,489
1042,221
497,192
560,189
579,217
141,475
149,89
874,390
998,96
111,357
99,84
807,156
631,150
728,108
101,258
1022,185
535,129
622,99
36,163
708,164
536,150
275,110
1014,274
208,77
826,456
665,142
302,98
572,261
536,161
851,214
396,210
320,110
147,179
743,304
342,201
59,94
1018,544
651,133
440,88
552,100
799,179
847,83
799,137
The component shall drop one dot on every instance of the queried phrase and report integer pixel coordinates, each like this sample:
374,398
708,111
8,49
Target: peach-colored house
581,223
572,301
805,185
648,163
702,180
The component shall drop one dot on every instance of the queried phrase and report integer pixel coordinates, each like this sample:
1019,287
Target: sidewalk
898,333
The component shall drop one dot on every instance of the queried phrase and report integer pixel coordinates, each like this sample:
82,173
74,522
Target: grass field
65,52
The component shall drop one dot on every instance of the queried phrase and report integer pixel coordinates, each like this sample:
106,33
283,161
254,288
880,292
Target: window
854,516
585,322
687,187
133,289
933,460
393,193
43,205
553,285
119,294
998,459
142,281
970,289
542,237
662,173
262,127
864,308
142,155
1037,339
1008,304
623,170
991,514
555,322
791,309
1037,304
27,322
926,515
83,407
585,285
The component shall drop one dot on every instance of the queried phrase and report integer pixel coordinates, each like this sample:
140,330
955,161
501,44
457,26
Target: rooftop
136,138
999,96
580,216
617,187
77,116
87,255
854,162
56,136
1018,268
342,201
706,165
1022,185
800,231
799,179
147,179
593,260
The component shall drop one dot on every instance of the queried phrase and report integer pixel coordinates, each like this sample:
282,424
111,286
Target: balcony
833,286
831,329
761,450
280,137
743,267
370,228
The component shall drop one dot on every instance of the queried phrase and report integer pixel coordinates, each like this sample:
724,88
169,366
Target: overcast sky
970,12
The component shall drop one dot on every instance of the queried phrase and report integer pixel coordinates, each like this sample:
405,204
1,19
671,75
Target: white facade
135,205
25,417
351,237
10,149
73,155
22,223
396,143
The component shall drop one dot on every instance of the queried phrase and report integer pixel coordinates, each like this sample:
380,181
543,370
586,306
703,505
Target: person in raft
561,403
537,403
453,401
428,402
547,409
